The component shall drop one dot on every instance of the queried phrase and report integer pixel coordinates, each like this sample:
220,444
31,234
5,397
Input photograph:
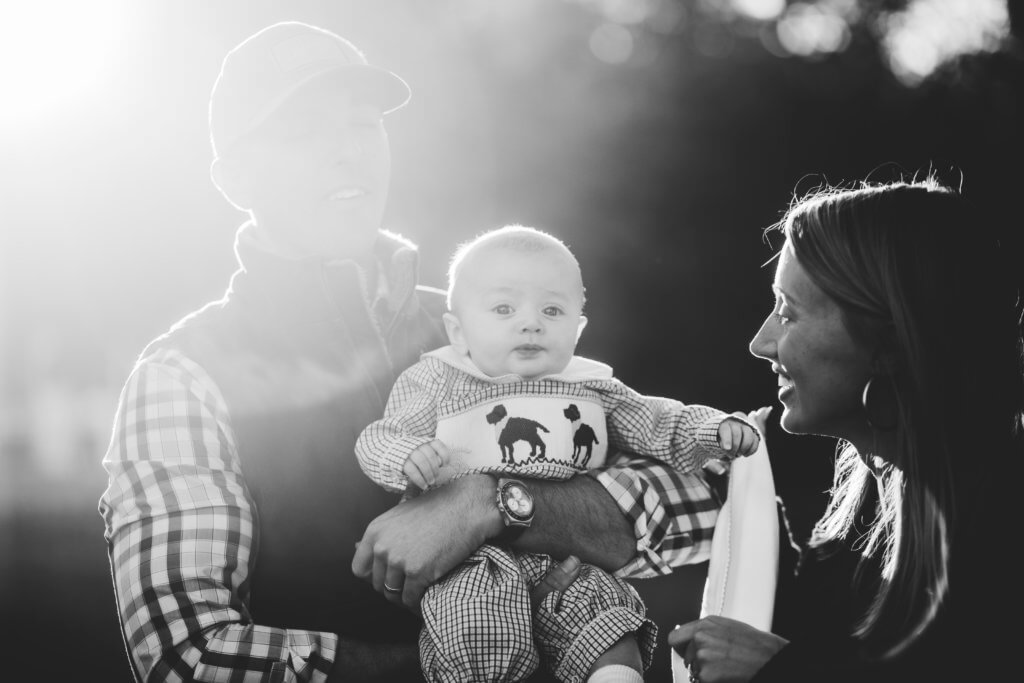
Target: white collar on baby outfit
578,369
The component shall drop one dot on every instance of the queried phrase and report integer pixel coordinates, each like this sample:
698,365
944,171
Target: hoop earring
880,406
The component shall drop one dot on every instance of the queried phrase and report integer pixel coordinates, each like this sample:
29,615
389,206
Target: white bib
520,433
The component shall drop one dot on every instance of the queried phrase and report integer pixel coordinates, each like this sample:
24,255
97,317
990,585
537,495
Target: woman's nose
763,344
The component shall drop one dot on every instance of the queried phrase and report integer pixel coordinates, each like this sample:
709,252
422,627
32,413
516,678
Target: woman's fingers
681,636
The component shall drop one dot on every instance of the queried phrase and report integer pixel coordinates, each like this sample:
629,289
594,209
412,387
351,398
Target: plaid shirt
180,525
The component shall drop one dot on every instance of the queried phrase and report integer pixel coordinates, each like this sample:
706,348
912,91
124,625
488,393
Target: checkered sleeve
673,514
179,529
410,420
682,435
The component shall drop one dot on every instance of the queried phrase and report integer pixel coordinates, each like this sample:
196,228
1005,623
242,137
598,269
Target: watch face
517,501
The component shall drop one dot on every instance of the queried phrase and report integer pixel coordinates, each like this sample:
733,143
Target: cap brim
370,83
376,85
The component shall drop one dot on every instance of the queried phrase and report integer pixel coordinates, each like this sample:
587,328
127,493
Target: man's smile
349,193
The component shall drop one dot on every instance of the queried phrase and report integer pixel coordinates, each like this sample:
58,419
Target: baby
509,396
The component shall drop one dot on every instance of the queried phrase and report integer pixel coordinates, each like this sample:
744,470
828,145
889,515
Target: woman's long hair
921,282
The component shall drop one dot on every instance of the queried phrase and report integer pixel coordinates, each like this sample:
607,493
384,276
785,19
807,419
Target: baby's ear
579,330
454,329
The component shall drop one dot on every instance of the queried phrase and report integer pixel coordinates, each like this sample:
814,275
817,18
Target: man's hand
424,464
420,540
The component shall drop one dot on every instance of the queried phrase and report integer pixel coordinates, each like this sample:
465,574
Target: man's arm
179,528
577,517
638,518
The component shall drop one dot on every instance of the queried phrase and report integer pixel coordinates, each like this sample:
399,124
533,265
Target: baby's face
518,312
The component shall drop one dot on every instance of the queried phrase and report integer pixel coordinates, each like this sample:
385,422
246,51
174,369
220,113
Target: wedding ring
389,589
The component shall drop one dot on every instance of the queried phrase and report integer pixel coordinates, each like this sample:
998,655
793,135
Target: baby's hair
515,237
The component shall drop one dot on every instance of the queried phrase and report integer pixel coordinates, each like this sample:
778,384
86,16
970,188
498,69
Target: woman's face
821,369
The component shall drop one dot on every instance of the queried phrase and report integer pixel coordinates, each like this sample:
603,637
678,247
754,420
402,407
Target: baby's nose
531,323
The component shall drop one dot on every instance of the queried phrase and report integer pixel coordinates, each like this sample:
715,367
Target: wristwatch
515,503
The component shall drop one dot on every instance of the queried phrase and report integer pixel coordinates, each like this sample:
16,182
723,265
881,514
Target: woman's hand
721,650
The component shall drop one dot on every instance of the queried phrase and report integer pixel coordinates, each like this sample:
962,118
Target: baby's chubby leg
621,663
595,629
477,622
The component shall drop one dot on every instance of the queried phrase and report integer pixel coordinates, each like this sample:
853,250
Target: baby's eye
552,311
502,309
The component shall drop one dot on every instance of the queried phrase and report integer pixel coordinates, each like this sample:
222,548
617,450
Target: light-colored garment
479,623
531,428
743,569
177,493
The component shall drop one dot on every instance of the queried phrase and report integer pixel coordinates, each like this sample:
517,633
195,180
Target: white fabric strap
743,569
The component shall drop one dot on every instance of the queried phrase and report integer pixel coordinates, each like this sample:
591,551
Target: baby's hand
737,437
424,464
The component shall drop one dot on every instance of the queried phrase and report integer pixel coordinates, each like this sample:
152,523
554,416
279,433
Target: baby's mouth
529,348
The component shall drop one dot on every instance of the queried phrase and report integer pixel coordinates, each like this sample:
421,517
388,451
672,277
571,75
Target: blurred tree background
657,137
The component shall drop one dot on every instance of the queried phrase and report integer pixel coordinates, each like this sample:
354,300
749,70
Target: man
235,512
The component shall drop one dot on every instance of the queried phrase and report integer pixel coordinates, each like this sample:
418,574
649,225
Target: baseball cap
265,69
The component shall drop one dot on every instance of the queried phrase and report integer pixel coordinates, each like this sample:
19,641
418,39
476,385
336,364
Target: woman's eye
781,317
502,309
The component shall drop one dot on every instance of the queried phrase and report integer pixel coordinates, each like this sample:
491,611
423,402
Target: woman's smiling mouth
785,382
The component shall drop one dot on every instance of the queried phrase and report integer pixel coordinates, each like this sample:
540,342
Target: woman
896,329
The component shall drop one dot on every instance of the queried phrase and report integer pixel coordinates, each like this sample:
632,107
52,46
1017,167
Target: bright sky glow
761,10
929,32
625,11
50,53
807,30
611,43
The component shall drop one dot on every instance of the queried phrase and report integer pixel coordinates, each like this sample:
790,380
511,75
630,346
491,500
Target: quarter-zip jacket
304,364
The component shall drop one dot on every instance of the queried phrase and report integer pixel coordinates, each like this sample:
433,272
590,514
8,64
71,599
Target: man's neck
266,240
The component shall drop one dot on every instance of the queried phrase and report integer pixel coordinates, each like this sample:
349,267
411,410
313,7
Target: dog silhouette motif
583,435
509,430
